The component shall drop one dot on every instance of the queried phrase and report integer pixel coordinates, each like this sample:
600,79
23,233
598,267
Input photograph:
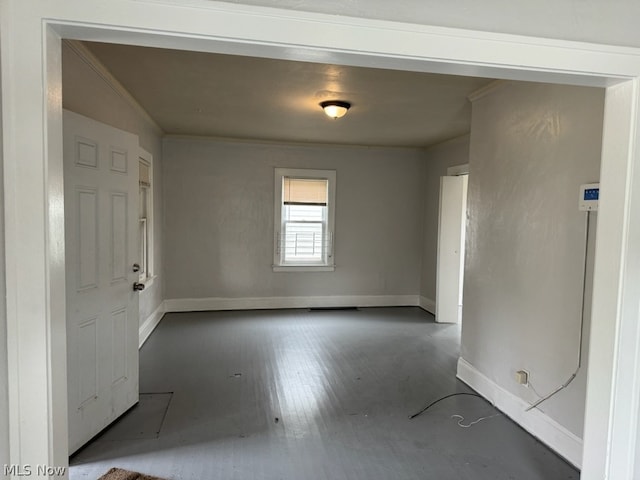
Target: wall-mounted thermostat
589,195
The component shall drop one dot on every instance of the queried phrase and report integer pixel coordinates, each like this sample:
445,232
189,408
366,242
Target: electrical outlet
522,377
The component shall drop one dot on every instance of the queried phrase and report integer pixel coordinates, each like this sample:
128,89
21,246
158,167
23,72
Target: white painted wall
219,219
437,159
587,20
4,398
86,91
532,146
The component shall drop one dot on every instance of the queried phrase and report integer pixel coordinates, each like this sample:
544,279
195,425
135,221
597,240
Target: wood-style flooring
293,394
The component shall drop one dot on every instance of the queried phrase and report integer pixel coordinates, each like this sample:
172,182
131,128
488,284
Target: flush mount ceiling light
335,108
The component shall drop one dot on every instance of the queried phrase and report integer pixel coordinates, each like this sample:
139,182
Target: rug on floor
120,474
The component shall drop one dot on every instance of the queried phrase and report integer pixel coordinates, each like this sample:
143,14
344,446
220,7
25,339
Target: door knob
137,286
136,267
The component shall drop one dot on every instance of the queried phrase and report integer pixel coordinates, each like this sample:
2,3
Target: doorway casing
32,162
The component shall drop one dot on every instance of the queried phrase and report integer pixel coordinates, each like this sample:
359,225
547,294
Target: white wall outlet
522,377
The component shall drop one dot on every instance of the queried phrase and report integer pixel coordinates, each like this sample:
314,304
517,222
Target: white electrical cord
547,397
471,424
584,288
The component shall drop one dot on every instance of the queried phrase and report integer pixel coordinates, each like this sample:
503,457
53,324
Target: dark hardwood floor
292,394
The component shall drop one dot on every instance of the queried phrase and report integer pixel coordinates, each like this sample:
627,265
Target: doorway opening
35,314
451,244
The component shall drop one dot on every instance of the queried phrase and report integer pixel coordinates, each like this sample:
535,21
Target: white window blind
305,191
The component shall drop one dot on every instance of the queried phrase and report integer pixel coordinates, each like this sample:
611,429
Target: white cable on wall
584,288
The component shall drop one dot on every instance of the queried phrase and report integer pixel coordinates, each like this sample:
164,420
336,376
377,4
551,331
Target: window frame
147,275
304,173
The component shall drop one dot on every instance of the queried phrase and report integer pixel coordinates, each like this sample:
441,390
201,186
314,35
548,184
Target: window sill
304,268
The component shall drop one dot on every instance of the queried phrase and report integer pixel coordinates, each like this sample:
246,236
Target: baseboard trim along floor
541,426
427,305
150,324
268,303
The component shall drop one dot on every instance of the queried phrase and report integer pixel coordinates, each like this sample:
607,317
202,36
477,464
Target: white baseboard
151,323
541,426
428,305
265,303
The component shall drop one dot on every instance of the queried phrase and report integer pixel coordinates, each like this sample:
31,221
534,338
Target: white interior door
451,238
101,203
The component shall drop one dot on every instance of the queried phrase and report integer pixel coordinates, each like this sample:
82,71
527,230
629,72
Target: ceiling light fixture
335,108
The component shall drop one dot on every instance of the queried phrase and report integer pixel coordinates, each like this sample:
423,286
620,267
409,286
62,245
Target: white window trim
147,158
330,175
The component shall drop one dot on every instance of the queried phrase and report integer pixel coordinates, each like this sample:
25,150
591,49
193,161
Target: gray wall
219,231
532,146
4,399
85,91
438,159
586,20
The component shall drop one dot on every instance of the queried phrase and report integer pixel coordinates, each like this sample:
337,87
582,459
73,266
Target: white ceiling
194,93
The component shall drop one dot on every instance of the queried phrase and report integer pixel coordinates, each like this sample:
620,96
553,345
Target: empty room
277,392
270,261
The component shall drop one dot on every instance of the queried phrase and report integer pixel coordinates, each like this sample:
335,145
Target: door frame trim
458,170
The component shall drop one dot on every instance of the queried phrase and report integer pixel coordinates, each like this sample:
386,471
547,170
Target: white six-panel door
451,238
101,204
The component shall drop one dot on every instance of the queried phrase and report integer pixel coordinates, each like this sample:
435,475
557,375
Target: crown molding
487,90
97,66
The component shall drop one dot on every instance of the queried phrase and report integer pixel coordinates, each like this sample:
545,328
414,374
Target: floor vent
333,309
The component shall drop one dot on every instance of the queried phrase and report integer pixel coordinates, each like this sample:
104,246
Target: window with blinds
145,219
304,218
